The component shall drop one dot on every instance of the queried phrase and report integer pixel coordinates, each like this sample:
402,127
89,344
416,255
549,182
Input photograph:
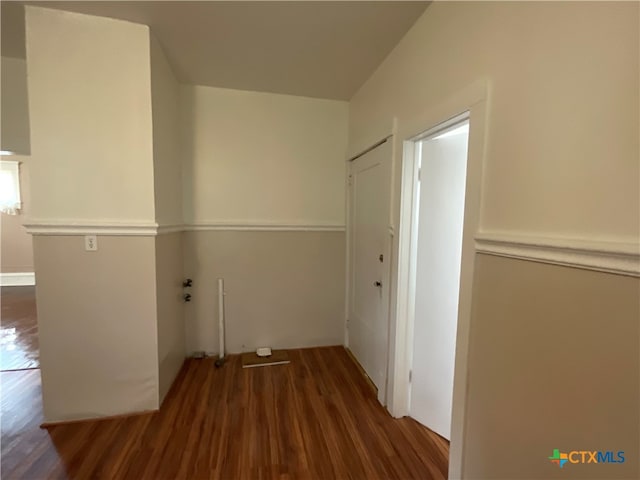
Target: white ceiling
323,49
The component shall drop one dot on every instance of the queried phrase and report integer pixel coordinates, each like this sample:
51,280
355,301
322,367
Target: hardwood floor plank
315,418
19,349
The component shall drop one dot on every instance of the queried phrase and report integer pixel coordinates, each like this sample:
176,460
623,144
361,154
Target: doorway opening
438,223
428,173
19,347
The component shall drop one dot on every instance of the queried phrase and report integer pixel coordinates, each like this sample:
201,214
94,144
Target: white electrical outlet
90,243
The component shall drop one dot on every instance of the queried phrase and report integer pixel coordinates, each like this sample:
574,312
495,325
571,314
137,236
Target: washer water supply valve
187,284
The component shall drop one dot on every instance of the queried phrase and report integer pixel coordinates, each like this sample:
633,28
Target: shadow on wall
15,135
187,144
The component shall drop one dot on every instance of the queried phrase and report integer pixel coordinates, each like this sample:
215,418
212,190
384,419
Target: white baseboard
17,279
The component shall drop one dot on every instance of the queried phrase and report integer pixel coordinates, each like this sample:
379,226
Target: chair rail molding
621,256
92,227
263,227
137,228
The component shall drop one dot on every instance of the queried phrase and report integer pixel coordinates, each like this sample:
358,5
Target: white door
369,204
439,252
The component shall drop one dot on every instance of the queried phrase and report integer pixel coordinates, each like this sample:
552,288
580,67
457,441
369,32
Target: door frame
470,102
414,150
386,276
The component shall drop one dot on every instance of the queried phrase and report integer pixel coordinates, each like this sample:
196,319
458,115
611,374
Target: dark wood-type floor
18,329
314,418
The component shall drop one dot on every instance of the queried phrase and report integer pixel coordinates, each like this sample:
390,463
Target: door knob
377,284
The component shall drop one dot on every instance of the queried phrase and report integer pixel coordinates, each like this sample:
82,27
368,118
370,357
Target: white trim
359,143
164,229
347,249
106,228
17,279
622,258
367,150
73,227
263,227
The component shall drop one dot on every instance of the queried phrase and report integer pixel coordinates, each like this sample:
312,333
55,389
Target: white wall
263,158
91,125
562,150
561,161
14,131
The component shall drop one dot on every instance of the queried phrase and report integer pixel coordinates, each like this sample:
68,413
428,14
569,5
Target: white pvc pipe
221,315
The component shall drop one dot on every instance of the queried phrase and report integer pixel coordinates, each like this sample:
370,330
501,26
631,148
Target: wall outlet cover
90,243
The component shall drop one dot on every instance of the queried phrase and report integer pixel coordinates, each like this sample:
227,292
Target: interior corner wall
264,194
171,328
91,164
561,161
167,179
167,165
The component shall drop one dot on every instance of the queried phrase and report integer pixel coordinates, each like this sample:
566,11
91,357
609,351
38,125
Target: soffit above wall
310,48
